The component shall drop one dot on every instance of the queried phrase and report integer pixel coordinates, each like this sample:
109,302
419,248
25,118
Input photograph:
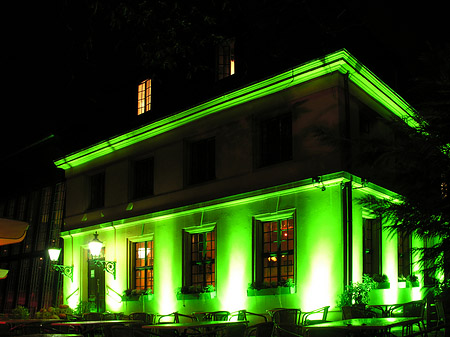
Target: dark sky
40,59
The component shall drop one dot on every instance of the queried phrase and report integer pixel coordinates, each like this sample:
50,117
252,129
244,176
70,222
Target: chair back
108,316
409,309
142,316
287,316
169,318
218,315
182,318
315,316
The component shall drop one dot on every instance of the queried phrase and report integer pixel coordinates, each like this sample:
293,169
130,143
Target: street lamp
95,247
54,257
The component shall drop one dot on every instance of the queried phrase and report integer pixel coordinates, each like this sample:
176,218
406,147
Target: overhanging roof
341,61
12,231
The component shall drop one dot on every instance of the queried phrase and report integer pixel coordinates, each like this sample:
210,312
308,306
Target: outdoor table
14,324
86,327
182,328
383,324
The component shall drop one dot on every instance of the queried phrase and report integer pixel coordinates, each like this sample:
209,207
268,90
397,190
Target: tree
422,166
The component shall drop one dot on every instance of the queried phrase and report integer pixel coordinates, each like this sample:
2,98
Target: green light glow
340,61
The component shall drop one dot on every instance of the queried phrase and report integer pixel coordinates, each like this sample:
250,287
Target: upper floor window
276,139
404,255
143,265
225,59
144,96
97,190
143,178
202,161
371,246
200,257
275,250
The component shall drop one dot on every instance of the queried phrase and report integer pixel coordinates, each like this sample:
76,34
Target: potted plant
20,312
196,292
401,281
382,281
356,297
274,288
412,280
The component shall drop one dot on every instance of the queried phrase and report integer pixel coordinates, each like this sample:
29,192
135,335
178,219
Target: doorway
96,287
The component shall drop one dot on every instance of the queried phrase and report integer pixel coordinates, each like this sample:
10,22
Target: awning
12,231
3,273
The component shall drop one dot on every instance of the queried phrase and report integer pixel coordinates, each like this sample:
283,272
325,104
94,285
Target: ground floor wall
319,253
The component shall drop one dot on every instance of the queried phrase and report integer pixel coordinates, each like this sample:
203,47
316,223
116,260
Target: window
143,178
202,161
143,265
97,190
276,139
371,246
144,96
199,257
275,250
225,59
404,255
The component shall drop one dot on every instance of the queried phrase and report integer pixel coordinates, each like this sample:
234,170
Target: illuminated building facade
235,193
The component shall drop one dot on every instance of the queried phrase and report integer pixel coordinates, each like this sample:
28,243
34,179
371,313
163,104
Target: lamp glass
95,246
54,253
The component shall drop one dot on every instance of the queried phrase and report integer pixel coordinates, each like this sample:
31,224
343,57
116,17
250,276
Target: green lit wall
319,247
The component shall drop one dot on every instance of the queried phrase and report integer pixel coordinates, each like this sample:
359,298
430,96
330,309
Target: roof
340,61
12,231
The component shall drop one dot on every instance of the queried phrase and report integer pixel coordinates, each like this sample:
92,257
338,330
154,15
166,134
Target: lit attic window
144,96
225,59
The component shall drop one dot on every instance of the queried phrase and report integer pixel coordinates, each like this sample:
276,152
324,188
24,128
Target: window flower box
136,294
265,289
412,281
196,293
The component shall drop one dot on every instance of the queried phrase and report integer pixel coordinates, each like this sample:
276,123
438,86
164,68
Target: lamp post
95,247
54,257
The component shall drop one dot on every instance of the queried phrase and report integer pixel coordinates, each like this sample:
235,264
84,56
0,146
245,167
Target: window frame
135,182
188,263
225,59
374,250
132,259
259,255
279,147
404,263
197,150
97,191
144,96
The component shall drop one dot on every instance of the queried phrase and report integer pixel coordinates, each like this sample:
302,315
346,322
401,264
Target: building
235,194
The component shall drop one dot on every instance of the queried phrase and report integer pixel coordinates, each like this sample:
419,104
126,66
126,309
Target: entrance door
96,287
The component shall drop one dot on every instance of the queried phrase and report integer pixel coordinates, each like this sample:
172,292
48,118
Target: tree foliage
422,166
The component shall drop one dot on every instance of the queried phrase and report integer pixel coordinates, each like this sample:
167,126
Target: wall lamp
95,247
54,257
318,183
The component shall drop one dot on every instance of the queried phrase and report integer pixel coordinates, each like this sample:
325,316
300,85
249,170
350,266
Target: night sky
50,85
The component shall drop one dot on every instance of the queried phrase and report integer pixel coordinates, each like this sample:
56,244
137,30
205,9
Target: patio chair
221,315
410,309
260,329
315,316
441,321
251,317
142,316
181,318
287,322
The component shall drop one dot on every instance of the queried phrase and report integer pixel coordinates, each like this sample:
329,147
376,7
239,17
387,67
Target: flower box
271,291
196,296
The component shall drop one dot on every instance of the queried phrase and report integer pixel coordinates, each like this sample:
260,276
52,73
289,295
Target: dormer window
144,96
225,59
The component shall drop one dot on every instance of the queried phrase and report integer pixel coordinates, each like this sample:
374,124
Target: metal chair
142,316
410,309
441,321
221,315
260,329
286,322
307,316
92,316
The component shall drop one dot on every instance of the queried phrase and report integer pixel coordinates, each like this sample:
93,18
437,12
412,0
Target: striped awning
12,231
